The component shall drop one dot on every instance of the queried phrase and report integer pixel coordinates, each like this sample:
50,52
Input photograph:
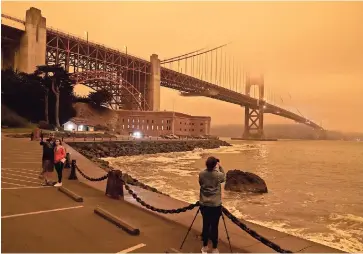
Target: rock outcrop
239,181
128,148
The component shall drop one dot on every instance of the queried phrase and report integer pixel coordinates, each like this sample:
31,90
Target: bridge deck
114,60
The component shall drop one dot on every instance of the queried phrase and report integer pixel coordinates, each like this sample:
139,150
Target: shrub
100,127
45,126
10,119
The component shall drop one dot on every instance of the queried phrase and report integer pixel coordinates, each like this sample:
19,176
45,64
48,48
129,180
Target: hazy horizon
312,51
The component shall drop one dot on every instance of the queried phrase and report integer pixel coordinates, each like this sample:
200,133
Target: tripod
181,246
224,222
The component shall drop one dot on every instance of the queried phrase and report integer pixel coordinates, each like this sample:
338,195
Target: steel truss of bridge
127,77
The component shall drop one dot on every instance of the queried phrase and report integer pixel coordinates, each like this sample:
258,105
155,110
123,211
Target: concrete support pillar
153,89
32,49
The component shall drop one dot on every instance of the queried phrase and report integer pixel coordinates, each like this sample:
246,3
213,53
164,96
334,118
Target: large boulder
237,180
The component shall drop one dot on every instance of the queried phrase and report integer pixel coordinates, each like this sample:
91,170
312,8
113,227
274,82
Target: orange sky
312,50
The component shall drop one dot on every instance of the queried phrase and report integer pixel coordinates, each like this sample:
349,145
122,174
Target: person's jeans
59,168
211,217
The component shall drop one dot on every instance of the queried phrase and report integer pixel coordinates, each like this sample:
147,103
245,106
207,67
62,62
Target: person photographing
47,159
210,200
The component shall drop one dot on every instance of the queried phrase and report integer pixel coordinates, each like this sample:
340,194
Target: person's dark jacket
48,149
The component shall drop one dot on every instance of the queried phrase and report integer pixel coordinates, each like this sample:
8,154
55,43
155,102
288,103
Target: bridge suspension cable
177,57
186,56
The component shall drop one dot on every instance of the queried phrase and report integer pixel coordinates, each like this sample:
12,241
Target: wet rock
239,181
129,148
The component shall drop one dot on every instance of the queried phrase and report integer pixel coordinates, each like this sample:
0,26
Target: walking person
210,200
59,160
47,159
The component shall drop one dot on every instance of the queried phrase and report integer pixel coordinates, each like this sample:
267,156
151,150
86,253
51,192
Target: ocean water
315,187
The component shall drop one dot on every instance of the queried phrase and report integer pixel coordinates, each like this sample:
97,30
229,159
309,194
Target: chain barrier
233,218
159,210
91,178
136,182
253,233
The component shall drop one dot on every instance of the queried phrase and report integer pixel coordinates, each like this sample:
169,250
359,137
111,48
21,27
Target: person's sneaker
215,251
58,185
205,249
44,184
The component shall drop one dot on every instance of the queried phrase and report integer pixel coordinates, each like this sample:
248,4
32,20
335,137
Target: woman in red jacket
59,159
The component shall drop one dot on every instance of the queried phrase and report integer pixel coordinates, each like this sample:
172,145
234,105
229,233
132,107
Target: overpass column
32,49
253,127
153,87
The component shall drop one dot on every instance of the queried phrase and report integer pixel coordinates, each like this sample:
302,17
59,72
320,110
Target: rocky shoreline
96,150
130,148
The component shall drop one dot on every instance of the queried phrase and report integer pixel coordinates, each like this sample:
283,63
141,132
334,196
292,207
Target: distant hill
282,131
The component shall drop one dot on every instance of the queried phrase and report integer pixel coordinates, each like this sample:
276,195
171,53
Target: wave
343,239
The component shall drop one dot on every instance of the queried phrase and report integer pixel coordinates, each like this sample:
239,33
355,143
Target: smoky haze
311,53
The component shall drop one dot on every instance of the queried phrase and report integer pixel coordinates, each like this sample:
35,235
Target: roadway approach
44,220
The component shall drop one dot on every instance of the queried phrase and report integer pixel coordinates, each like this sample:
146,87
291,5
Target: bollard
115,186
72,175
67,164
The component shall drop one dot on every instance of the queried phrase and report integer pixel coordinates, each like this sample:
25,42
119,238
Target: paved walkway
42,219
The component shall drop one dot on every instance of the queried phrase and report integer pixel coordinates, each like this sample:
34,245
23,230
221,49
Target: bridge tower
153,88
253,127
33,42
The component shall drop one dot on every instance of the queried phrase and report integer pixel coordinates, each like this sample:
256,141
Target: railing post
68,161
115,185
72,175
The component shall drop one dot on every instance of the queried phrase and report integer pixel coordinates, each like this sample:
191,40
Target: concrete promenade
44,220
239,239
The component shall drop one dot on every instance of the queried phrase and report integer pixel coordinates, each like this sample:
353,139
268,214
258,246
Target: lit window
162,128
152,127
